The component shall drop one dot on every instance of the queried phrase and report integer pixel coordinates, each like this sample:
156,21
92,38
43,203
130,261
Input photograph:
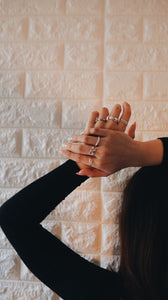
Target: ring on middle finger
92,151
112,118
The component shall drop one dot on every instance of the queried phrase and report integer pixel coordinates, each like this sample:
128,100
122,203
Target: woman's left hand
74,149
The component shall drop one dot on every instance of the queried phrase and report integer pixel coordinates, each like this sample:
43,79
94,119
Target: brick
10,141
91,184
49,7
80,206
27,56
146,136
44,142
155,29
5,194
136,58
117,181
14,8
12,84
95,259
122,86
54,226
88,7
110,262
111,203
123,29
19,173
110,239
64,84
13,29
124,7
9,264
155,86
20,113
66,28
80,237
26,290
75,114
26,274
84,56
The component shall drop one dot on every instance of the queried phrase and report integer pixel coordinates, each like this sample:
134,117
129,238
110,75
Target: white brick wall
59,59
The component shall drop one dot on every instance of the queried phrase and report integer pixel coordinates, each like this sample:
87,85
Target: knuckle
85,139
78,157
80,148
93,131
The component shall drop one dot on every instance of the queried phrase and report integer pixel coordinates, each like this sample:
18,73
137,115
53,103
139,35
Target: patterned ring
100,119
92,151
123,121
112,118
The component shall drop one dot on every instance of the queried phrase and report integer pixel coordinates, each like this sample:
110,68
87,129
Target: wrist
148,153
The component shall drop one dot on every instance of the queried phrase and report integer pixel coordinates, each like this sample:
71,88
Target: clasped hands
115,148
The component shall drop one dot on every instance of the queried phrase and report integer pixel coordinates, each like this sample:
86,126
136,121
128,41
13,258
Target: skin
78,149
116,149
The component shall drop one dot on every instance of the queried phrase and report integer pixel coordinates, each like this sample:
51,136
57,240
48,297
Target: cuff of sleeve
165,150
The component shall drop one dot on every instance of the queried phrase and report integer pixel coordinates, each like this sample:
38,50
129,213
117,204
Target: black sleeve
49,259
165,152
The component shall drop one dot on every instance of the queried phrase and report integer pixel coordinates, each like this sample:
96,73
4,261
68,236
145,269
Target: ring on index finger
100,119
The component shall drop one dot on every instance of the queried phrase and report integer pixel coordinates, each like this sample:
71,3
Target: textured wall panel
59,60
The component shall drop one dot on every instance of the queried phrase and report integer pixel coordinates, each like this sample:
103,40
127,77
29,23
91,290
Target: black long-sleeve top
49,259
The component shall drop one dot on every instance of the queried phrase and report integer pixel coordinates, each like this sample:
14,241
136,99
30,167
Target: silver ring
100,119
112,118
90,162
123,121
97,142
92,151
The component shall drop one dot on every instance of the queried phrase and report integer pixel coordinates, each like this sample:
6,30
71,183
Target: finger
91,121
103,115
83,159
126,114
131,130
86,139
81,149
92,173
111,124
102,132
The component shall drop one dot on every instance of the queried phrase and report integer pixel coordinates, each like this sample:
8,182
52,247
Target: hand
116,111
116,151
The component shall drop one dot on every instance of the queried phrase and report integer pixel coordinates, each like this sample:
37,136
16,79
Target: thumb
131,130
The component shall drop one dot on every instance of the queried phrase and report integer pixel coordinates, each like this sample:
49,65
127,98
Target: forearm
33,203
148,153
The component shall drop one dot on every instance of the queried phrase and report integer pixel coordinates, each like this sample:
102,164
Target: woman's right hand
116,151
